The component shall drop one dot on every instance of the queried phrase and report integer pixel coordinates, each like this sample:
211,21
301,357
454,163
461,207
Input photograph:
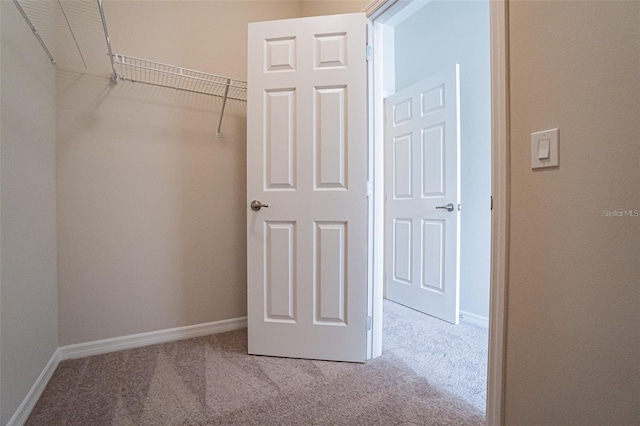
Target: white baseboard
475,319
131,341
98,347
21,415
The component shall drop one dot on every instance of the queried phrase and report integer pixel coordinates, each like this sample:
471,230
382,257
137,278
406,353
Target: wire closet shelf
74,35
145,71
158,74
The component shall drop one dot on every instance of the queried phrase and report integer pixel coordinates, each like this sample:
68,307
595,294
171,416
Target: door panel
403,166
422,140
330,139
433,167
433,243
330,282
402,250
280,280
307,159
280,139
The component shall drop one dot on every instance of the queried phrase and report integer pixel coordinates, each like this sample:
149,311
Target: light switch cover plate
538,147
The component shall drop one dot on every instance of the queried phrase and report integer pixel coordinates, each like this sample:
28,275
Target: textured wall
331,7
28,300
151,203
574,282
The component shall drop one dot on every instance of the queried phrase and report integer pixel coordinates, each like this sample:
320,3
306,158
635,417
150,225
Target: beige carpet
453,358
212,381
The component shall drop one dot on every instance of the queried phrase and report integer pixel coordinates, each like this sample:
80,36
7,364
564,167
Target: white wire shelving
154,73
74,35
176,77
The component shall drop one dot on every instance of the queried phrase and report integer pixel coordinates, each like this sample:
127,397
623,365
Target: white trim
474,319
377,7
382,10
99,347
500,192
407,12
371,209
376,132
499,16
21,415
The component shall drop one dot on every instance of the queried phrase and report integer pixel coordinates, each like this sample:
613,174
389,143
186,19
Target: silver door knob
449,207
257,205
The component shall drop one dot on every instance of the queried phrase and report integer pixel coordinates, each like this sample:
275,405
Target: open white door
307,160
422,145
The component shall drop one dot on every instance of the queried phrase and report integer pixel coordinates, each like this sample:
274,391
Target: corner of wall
28,274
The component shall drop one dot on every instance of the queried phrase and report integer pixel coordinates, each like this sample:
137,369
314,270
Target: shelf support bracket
34,31
224,103
114,74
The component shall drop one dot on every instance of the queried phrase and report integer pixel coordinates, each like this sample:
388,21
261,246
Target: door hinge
369,52
369,188
368,323
491,203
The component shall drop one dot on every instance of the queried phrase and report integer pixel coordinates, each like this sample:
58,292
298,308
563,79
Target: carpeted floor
212,381
453,358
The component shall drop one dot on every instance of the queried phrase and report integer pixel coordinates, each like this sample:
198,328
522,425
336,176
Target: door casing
378,12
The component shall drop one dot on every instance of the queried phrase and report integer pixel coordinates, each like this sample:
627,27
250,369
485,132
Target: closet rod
34,31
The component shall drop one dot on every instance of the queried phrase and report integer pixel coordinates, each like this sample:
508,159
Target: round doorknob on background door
257,205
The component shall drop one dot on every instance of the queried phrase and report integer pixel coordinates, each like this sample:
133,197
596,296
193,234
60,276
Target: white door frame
377,12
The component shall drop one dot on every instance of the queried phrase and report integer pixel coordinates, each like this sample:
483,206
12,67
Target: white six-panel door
422,145
307,159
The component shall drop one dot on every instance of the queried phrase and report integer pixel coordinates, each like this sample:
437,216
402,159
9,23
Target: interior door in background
422,195
307,160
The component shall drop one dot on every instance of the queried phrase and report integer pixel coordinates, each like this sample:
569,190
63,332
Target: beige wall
574,291
28,301
209,36
330,7
151,205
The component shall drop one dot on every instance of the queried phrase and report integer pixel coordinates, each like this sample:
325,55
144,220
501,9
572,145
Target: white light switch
544,149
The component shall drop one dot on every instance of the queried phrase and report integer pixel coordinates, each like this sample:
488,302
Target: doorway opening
413,43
